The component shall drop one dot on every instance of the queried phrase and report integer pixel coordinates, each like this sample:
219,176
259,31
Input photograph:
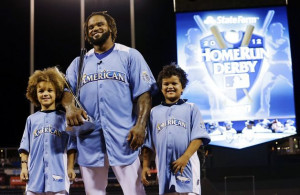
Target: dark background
57,42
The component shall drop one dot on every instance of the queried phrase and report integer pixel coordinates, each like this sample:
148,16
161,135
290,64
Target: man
115,92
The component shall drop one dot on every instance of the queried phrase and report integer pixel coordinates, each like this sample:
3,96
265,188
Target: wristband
24,161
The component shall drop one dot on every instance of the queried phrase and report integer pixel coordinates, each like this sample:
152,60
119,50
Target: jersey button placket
102,113
101,104
100,93
46,146
169,133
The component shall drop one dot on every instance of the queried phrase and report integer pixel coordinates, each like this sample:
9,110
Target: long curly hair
51,74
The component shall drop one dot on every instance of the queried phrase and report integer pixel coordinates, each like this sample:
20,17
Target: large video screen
239,68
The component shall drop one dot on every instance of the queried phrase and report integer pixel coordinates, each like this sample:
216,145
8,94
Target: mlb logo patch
57,178
183,179
145,77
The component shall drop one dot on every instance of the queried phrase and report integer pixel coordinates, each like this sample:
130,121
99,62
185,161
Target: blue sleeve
140,76
25,142
71,74
72,143
198,127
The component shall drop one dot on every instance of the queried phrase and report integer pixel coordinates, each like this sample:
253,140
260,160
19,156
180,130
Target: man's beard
100,41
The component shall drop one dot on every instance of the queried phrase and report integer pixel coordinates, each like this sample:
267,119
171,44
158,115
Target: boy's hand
71,174
145,173
24,175
180,164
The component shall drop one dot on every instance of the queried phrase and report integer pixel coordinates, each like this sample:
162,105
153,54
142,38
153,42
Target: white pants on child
129,177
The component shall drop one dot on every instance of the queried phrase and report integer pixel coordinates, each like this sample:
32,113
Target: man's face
98,30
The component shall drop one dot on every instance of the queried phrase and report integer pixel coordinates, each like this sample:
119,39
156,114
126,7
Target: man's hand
137,134
136,137
75,116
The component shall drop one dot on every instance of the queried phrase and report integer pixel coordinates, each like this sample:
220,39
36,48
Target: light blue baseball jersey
47,143
170,131
110,84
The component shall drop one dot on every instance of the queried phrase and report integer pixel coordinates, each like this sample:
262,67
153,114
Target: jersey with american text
171,129
47,143
108,89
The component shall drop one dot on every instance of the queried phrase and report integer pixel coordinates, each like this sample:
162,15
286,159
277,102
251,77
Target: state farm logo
211,20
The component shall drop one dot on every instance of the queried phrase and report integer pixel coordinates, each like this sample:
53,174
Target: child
175,133
47,152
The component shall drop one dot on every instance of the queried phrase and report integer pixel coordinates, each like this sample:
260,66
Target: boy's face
171,89
46,95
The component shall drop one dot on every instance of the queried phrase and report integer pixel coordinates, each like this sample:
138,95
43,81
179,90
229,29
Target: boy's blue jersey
47,143
109,87
171,129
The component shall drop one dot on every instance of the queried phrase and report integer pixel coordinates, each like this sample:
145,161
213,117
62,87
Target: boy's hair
172,70
52,75
110,21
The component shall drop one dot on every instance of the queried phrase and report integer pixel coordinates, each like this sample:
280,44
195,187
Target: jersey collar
179,102
100,56
48,111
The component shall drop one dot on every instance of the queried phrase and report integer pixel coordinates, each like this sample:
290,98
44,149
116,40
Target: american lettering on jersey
104,75
175,122
48,129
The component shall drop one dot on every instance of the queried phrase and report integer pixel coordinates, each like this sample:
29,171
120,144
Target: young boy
47,152
175,133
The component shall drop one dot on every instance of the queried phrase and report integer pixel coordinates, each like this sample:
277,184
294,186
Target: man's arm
75,116
137,133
